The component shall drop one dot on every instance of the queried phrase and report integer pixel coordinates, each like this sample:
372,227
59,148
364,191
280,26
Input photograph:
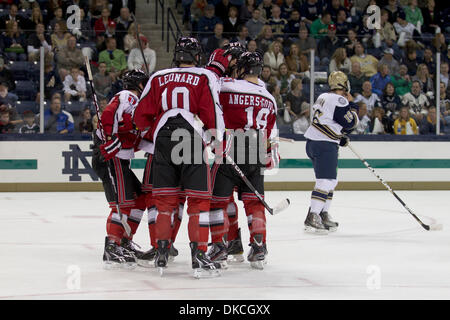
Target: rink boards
66,166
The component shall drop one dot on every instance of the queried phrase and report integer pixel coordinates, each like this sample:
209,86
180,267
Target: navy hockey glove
110,148
344,141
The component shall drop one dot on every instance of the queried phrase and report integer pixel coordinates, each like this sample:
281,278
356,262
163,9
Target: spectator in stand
96,8
265,38
114,58
6,76
266,10
69,58
274,57
117,5
36,17
207,23
356,79
289,6
428,60
369,64
319,28
35,41
102,23
277,23
14,42
296,103
52,81
328,45
406,30
30,125
333,7
255,24
405,124
380,79
340,61
428,123
292,28
102,81
74,86
252,46
417,101
57,120
310,10
222,9
242,36
414,14
85,125
423,76
58,18
8,98
301,124
380,124
102,103
364,121
245,13
388,59
213,41
231,23
431,18
13,16
267,77
368,97
401,81
444,73
284,79
393,10
130,39
123,23
390,101
386,33
342,26
438,44
5,124
306,43
59,36
444,105
297,63
135,60
350,42
411,60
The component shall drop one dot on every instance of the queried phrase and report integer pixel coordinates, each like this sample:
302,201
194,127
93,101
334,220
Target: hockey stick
435,226
123,219
138,38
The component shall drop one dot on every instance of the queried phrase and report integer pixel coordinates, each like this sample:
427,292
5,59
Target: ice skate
173,252
327,222
146,258
257,254
115,256
202,266
131,246
218,253
313,224
162,256
235,249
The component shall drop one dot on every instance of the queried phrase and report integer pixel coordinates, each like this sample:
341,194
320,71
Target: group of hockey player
210,104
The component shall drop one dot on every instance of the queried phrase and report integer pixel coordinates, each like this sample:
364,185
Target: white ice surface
379,252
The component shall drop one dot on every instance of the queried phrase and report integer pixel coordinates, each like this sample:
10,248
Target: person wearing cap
388,59
207,23
319,28
135,60
328,45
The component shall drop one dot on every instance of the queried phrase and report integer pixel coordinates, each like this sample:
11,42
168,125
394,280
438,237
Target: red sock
255,209
114,229
198,226
232,215
166,206
218,225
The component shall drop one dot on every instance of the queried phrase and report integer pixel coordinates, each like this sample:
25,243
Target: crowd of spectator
106,34
391,70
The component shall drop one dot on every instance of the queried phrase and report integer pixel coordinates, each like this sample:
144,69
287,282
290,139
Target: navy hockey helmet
249,63
187,50
133,78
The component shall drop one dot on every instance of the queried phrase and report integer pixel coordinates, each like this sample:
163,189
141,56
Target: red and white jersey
191,92
117,119
247,105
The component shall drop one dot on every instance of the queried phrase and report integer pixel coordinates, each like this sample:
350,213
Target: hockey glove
344,141
218,62
273,156
110,148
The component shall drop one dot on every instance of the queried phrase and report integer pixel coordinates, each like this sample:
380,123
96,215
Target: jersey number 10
175,92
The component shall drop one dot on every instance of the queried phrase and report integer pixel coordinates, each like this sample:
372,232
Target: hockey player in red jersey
114,143
178,101
249,107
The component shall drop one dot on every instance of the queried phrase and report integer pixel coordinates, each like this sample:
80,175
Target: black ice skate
173,252
131,246
162,255
235,249
218,253
115,256
202,265
327,222
313,224
258,251
146,258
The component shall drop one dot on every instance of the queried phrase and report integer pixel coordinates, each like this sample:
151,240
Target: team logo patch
132,100
342,100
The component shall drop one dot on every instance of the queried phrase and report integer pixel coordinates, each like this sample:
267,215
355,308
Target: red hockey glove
110,148
272,157
218,62
126,124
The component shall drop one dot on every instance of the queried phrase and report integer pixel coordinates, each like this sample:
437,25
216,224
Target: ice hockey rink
51,247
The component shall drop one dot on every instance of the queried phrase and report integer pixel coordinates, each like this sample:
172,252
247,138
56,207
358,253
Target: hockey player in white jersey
334,115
